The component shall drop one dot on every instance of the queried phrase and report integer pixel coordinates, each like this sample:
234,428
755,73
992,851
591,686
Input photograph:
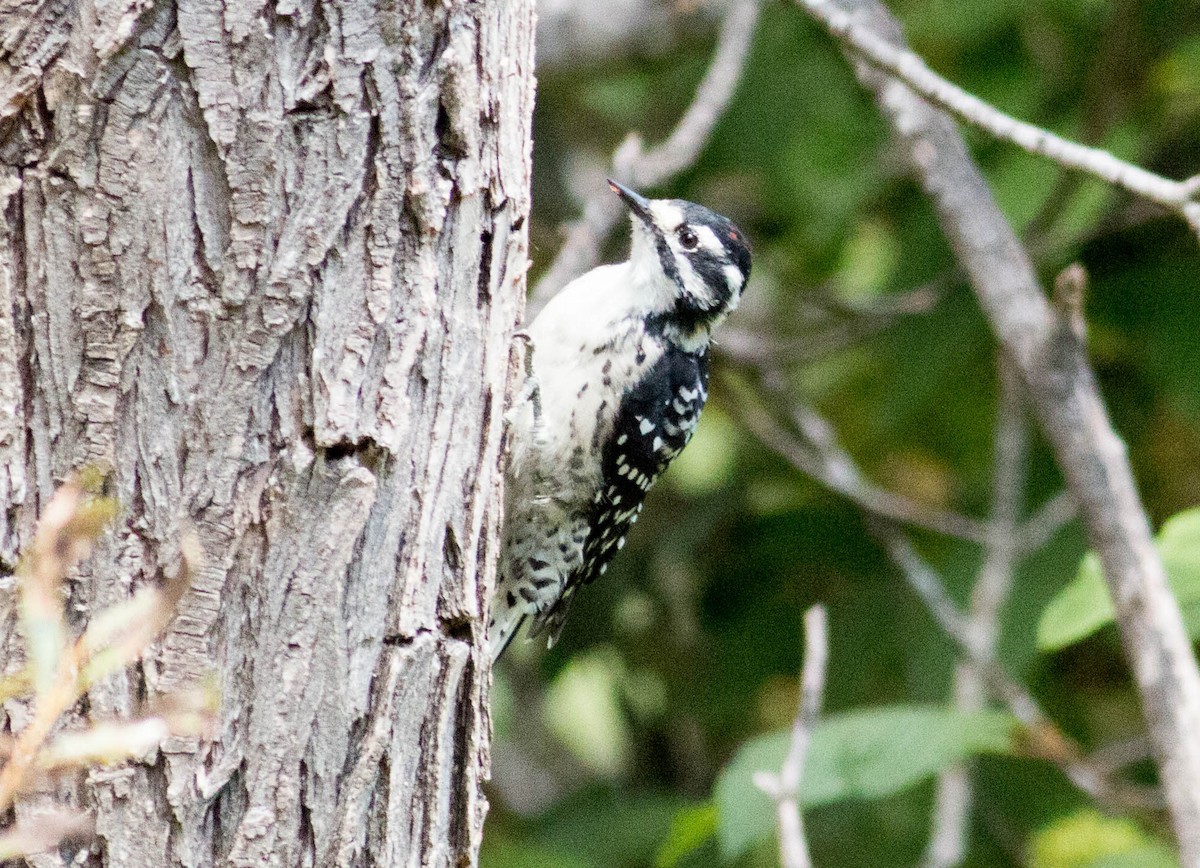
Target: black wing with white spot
656,420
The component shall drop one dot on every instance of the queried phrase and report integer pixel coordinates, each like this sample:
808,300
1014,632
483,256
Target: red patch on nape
733,235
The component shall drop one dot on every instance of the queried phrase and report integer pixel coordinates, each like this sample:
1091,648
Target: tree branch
822,453
784,788
1046,740
839,325
1062,392
952,803
1048,520
908,67
631,165
838,472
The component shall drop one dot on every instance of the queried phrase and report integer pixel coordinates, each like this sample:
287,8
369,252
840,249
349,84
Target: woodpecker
617,374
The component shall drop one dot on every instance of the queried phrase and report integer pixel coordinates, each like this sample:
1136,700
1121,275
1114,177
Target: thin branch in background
752,342
952,803
640,168
930,589
1051,517
1070,292
843,477
784,788
815,451
908,67
1119,754
1045,739
757,352
1062,393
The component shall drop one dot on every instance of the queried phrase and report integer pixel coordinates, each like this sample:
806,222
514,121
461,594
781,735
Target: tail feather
503,626
549,622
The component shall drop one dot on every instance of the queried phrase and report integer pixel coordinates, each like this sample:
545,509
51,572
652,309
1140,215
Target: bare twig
639,168
1046,740
829,470
843,477
930,588
1118,754
950,827
1070,291
1062,393
952,804
840,325
996,576
908,67
784,788
821,456
1048,520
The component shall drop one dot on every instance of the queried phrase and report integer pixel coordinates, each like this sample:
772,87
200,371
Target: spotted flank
657,419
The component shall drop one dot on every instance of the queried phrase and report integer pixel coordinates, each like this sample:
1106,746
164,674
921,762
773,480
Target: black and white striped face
702,257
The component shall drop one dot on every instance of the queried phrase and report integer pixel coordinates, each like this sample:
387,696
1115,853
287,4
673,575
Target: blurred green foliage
1083,607
854,755
608,748
1089,839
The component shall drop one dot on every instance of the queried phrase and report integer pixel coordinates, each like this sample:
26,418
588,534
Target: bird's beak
635,202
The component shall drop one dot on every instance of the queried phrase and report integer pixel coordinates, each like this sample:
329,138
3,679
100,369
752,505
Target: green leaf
1078,610
1155,855
1089,839
858,755
691,828
1083,606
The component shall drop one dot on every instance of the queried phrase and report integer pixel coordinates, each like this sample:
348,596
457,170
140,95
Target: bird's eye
688,238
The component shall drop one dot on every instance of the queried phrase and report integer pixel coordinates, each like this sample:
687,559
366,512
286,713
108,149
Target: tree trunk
265,263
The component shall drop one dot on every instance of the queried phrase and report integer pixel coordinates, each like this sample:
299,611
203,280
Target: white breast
588,347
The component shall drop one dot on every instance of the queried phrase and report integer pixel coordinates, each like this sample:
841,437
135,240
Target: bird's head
690,262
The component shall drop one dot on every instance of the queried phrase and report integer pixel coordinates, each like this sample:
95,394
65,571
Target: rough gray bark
265,262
